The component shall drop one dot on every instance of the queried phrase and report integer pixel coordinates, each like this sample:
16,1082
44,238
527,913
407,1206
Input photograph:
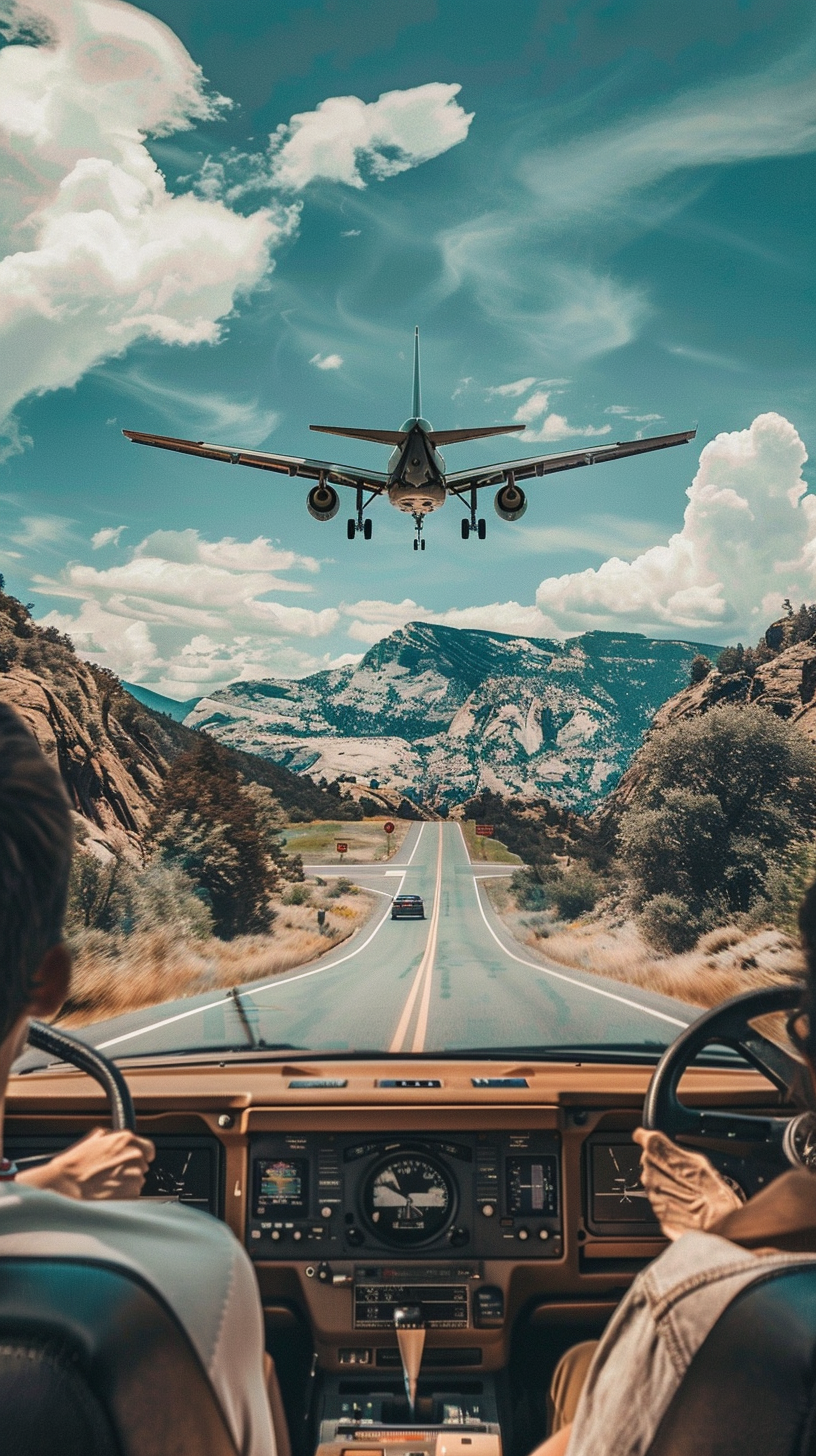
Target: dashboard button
543,1233
325,1212
488,1210
297,1236
523,1233
354,1236
275,1234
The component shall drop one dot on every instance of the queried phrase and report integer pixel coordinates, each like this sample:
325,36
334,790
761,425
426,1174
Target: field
489,851
111,977
366,840
724,962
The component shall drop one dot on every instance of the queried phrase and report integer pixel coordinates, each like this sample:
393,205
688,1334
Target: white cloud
733,120
515,389
214,415
373,620
185,615
351,233
618,409
108,536
327,361
345,138
748,540
558,427
532,407
98,252
35,532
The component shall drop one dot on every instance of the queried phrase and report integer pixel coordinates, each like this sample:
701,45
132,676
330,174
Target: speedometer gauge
408,1199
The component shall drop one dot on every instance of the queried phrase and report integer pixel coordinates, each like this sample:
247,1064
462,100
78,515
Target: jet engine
510,502
323,502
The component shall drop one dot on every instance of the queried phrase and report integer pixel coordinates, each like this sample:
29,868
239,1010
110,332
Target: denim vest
655,1333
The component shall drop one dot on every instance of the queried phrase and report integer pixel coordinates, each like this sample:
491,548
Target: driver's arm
102,1165
684,1189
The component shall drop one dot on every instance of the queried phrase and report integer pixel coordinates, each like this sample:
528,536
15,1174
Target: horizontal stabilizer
453,437
380,437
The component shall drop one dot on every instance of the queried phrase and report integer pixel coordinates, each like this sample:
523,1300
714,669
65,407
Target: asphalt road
455,981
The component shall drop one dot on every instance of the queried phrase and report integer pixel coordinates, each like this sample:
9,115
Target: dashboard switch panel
417,1194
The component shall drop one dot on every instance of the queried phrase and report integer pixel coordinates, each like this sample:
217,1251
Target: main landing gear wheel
367,529
751,1148
465,528
481,528
351,529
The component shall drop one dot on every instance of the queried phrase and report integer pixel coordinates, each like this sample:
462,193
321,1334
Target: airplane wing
291,465
479,476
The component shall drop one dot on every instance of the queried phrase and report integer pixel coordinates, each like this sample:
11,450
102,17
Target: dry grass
724,962
146,969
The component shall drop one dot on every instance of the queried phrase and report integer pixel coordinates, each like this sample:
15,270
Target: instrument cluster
487,1195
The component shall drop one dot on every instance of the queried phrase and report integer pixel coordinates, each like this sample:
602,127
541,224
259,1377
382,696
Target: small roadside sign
485,831
341,847
389,827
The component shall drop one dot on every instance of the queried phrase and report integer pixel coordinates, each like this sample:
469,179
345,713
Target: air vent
409,1082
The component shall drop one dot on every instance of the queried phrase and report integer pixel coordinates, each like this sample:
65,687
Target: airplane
416,481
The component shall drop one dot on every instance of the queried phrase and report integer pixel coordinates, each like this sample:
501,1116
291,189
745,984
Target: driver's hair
35,860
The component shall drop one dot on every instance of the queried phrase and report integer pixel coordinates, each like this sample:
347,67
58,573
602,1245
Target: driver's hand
102,1165
685,1191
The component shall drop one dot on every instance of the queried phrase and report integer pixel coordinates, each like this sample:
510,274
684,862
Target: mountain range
437,713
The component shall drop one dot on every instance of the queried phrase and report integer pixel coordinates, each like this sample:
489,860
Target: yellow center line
424,975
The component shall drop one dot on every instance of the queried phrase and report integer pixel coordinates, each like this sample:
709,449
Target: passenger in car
192,1260
720,1245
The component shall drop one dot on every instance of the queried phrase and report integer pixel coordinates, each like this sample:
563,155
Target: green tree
215,831
700,668
720,802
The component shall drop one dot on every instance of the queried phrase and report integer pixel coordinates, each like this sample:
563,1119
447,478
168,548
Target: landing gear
419,539
360,523
478,527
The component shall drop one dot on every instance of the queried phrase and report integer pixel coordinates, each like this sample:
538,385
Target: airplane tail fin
416,396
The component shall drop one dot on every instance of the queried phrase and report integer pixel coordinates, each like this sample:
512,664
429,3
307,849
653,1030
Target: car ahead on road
407,907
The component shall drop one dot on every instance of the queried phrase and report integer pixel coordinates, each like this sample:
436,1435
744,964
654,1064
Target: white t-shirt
192,1260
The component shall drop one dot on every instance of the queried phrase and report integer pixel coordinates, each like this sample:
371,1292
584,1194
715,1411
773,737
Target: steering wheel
748,1147
87,1059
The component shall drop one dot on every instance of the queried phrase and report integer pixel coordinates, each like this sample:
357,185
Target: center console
343,1196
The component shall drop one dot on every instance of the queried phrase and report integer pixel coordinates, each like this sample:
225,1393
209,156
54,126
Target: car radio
323,1195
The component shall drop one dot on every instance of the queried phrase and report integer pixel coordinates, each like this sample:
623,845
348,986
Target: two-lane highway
456,980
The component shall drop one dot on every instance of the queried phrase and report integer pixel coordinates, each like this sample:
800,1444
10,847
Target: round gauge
800,1140
408,1199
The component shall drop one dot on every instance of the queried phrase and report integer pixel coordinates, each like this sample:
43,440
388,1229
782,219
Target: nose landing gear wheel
465,528
351,529
481,529
367,529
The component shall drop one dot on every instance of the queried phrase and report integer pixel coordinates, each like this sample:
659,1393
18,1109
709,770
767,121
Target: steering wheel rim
87,1059
729,1024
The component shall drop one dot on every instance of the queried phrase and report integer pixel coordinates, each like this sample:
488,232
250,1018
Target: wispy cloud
514,389
558,427
215,414
327,361
108,536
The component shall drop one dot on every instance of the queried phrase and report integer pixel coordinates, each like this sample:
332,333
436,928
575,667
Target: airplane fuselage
416,472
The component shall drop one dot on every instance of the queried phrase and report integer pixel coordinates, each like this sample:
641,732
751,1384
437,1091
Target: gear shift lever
411,1340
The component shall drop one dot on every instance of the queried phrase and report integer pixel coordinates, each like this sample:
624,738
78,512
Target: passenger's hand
684,1189
102,1165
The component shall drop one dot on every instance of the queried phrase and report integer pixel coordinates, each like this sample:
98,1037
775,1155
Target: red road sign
485,830
341,848
389,827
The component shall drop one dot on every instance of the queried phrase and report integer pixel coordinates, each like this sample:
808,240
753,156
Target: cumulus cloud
532,407
108,536
373,620
98,252
345,139
185,615
748,541
327,361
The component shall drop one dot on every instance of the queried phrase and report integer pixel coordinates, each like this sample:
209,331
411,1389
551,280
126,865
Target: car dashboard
499,1200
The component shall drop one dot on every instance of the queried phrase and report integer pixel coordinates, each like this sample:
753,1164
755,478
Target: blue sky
601,217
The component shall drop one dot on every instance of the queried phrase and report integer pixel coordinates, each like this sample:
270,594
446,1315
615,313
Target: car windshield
413,736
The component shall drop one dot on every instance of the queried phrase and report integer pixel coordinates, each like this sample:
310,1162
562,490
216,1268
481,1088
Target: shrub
342,886
298,895
575,893
529,891
668,923
700,668
370,807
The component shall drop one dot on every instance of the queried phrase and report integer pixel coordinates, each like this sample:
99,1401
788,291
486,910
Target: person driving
168,1245
720,1244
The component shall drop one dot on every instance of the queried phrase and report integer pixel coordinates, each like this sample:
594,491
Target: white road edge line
407,1010
279,984
425,1001
558,976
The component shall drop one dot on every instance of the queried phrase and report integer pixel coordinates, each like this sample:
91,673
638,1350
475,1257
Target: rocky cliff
113,753
438,713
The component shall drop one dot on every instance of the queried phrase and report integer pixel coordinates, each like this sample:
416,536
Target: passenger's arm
101,1165
555,1445
684,1189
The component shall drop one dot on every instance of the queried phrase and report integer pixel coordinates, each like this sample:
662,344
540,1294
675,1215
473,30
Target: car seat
751,1387
94,1363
